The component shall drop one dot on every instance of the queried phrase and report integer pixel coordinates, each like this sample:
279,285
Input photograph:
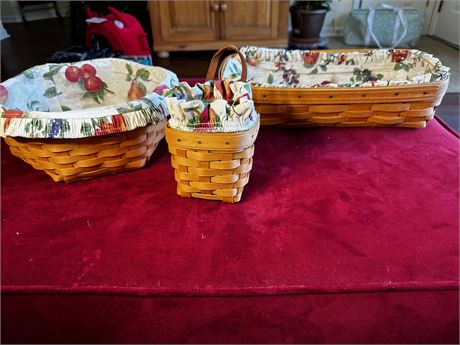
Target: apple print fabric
215,106
297,68
84,99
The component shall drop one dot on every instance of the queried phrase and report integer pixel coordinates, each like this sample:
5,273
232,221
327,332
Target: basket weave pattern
402,106
77,159
211,166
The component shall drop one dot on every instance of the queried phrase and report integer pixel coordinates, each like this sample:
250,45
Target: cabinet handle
223,7
215,7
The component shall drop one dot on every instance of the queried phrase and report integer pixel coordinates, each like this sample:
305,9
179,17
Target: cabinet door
249,19
183,21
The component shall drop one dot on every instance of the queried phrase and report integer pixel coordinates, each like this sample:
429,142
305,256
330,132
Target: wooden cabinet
187,20
203,25
250,20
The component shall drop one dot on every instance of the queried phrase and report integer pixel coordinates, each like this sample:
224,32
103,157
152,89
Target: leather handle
219,57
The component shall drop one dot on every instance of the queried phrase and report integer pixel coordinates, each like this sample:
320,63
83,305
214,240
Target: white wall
10,13
336,18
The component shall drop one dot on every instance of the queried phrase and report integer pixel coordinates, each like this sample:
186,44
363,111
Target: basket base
80,159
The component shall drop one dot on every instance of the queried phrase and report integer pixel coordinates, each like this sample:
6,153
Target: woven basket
389,106
212,166
77,159
115,129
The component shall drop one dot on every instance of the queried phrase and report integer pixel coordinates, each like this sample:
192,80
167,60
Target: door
446,21
183,21
244,20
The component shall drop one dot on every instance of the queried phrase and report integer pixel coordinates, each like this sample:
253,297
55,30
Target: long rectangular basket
410,105
397,106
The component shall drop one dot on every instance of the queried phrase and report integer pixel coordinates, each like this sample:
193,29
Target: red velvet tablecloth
342,236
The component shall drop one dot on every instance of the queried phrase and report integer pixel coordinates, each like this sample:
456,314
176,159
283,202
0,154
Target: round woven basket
86,119
213,166
78,159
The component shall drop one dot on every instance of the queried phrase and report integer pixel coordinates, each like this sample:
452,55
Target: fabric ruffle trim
215,106
72,128
433,68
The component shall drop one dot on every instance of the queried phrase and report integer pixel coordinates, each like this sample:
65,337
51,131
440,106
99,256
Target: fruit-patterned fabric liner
296,68
215,106
84,99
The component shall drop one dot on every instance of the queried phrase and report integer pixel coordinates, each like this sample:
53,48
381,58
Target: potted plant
307,18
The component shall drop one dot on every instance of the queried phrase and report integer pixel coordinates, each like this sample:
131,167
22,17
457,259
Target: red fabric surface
384,317
326,210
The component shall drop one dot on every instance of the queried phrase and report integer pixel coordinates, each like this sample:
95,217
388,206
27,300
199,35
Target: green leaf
106,88
65,126
37,123
323,68
65,108
143,74
270,79
147,101
218,122
100,94
55,68
48,76
397,67
307,65
27,128
28,74
128,77
50,92
129,69
86,129
379,76
47,129
314,71
31,105
142,87
92,95
122,110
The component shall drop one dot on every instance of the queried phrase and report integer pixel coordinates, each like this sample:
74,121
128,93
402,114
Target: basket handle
219,57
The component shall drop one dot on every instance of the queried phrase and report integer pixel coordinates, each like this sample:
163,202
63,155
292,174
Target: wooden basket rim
222,141
432,84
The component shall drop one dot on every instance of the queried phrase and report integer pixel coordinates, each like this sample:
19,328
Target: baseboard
330,31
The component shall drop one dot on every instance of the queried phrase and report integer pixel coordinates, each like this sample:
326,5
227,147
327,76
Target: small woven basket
212,166
78,159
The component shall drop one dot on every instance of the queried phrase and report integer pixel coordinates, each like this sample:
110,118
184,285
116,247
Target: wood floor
31,44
